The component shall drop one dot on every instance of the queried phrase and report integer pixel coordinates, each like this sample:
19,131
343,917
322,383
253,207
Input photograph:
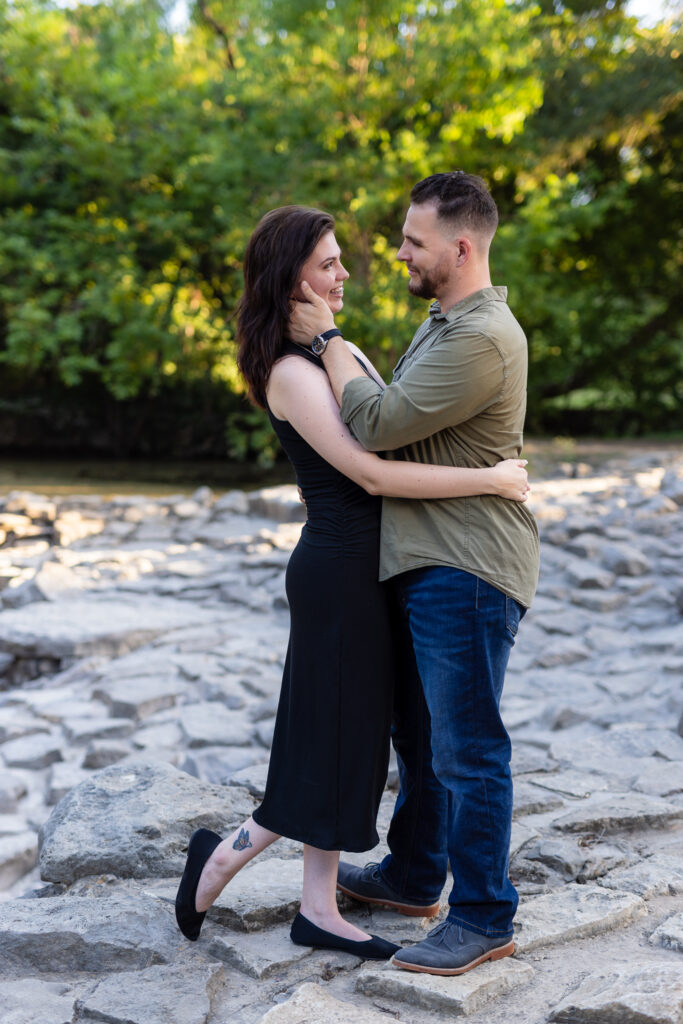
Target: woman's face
324,273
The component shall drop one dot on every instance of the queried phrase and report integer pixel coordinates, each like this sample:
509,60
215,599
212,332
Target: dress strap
290,348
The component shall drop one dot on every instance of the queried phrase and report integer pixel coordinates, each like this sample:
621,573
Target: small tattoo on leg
242,841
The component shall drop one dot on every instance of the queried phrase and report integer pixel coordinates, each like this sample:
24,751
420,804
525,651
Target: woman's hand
510,479
308,318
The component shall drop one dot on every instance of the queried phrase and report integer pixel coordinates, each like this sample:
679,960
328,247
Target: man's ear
463,251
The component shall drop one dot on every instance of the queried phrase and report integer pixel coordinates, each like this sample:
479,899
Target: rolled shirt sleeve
460,375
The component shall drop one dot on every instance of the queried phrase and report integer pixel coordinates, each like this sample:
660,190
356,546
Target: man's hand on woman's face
308,318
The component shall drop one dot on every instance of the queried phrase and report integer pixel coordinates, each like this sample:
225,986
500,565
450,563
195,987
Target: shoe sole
403,908
493,954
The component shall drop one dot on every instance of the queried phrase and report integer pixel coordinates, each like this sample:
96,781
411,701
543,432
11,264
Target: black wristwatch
319,343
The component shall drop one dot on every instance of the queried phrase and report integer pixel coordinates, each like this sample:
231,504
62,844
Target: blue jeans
455,632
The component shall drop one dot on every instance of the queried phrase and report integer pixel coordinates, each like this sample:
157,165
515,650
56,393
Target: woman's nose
342,273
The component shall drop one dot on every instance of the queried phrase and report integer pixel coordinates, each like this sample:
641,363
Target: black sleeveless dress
330,751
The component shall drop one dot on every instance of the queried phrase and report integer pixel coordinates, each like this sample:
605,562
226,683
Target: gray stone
520,835
623,811
231,503
134,821
28,503
598,600
138,698
617,750
281,503
459,997
111,931
585,545
62,778
32,1001
253,778
16,728
218,764
529,799
658,875
312,1004
37,751
625,560
12,788
18,854
187,509
574,861
672,485
561,652
574,912
104,753
526,759
71,525
83,730
570,782
660,778
178,994
645,993
264,892
258,955
76,628
669,934
210,723
587,576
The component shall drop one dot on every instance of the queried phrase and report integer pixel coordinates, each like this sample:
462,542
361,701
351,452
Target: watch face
318,345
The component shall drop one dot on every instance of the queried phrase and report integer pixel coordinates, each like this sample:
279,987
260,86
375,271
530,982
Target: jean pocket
513,615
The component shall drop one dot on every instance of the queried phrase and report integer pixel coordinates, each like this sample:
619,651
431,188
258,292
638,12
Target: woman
331,741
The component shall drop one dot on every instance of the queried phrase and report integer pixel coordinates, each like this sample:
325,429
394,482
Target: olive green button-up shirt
458,398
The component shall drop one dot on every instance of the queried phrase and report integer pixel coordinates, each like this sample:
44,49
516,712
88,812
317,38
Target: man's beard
429,283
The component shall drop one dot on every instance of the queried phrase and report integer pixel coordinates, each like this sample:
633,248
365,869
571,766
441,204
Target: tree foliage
135,161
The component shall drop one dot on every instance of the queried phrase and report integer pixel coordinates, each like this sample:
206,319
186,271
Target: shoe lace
374,874
444,927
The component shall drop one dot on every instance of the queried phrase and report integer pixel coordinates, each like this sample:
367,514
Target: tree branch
220,32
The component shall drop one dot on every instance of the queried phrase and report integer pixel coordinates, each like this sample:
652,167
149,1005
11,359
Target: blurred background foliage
136,157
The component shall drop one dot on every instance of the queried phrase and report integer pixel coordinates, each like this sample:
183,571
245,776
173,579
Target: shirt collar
466,305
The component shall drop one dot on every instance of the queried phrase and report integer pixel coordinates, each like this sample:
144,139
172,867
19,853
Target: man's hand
511,479
309,318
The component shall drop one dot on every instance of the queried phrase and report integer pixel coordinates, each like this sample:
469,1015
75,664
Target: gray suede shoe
367,885
451,949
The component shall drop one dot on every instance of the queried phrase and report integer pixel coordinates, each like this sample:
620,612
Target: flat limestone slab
660,875
457,995
110,931
265,892
644,993
573,912
78,628
623,811
32,1001
158,995
311,1004
260,954
134,821
669,933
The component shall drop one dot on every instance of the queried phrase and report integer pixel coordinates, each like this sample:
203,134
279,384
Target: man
464,572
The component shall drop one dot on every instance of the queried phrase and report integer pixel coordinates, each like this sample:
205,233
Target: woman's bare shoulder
288,375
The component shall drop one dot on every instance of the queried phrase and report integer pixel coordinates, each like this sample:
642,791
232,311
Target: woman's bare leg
227,859
319,897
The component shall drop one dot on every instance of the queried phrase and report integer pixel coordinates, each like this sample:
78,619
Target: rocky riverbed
141,646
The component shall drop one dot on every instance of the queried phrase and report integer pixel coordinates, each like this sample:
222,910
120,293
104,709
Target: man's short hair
461,200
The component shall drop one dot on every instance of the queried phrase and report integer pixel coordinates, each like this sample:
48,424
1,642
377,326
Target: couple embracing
406,588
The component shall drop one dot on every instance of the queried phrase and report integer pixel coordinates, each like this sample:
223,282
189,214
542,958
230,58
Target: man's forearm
340,365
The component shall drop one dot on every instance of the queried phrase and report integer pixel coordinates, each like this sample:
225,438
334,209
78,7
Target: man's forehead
420,220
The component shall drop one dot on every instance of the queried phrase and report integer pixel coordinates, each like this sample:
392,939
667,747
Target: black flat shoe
201,846
305,933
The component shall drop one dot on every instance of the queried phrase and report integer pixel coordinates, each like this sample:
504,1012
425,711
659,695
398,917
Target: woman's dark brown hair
277,250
